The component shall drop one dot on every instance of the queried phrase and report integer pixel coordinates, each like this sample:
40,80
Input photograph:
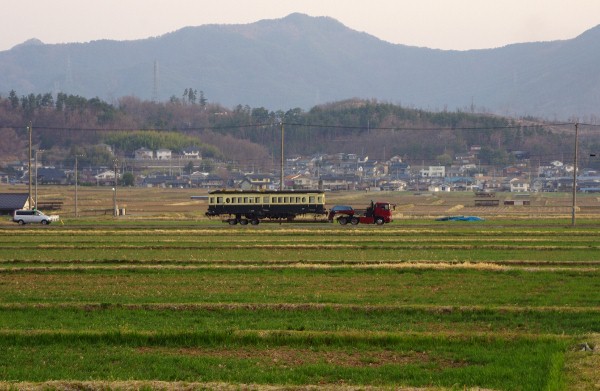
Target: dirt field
177,203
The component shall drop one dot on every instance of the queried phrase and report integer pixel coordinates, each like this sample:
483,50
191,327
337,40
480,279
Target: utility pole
36,176
76,186
29,129
115,210
574,207
281,184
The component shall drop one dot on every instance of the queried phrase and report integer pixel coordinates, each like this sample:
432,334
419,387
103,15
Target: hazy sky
443,24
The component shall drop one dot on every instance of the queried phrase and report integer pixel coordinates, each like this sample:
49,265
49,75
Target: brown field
158,203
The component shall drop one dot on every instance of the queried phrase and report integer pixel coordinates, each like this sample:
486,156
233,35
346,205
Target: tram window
280,200
320,199
227,200
219,200
245,200
211,200
304,200
311,199
286,200
265,200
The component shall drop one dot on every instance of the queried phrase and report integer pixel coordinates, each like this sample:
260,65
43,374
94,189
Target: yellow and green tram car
251,206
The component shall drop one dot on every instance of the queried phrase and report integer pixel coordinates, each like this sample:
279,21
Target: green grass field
148,302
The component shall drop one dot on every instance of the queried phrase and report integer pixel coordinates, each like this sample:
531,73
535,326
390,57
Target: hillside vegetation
66,123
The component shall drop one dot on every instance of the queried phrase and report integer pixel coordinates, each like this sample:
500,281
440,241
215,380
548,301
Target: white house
191,153
143,154
518,185
106,177
433,172
163,154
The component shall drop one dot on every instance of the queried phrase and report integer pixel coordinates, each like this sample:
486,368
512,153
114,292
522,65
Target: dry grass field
164,298
156,203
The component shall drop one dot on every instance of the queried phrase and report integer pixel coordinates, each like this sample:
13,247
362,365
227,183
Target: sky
438,24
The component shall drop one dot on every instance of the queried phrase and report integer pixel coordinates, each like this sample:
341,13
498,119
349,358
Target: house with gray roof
9,202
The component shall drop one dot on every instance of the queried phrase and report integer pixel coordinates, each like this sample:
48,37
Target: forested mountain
302,61
68,124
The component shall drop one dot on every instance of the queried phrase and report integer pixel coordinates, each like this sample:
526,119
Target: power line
305,125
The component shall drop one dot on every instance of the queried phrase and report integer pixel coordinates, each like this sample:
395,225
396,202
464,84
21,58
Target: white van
24,216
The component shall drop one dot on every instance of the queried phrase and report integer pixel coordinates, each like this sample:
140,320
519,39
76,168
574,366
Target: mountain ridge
301,61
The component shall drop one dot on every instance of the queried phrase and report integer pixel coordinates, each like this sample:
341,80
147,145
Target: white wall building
163,154
433,172
143,154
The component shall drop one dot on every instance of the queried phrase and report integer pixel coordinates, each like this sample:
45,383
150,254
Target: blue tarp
460,218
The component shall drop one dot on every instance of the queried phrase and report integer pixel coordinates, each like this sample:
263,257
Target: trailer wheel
254,221
232,221
343,220
243,222
379,221
354,220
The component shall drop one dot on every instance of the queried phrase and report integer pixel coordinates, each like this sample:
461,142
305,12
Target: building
106,177
256,182
9,202
518,185
163,154
143,154
433,172
191,153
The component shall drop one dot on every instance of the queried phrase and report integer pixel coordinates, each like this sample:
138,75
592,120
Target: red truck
377,213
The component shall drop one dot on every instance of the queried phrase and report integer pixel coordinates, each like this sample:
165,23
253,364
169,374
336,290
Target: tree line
250,135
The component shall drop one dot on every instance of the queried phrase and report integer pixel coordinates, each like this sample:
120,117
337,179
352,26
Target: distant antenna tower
69,76
155,87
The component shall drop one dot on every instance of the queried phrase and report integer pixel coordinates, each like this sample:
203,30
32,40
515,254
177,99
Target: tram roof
223,191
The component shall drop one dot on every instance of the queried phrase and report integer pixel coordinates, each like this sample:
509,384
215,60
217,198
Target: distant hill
300,61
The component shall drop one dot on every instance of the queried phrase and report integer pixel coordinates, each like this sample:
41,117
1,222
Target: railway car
251,206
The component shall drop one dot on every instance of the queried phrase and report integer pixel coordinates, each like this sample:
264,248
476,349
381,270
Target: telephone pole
29,129
115,210
281,183
574,206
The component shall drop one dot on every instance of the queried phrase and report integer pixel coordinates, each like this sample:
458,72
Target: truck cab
376,213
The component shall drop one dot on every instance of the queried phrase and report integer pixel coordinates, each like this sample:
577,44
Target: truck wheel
379,221
354,221
254,221
343,220
243,222
232,221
